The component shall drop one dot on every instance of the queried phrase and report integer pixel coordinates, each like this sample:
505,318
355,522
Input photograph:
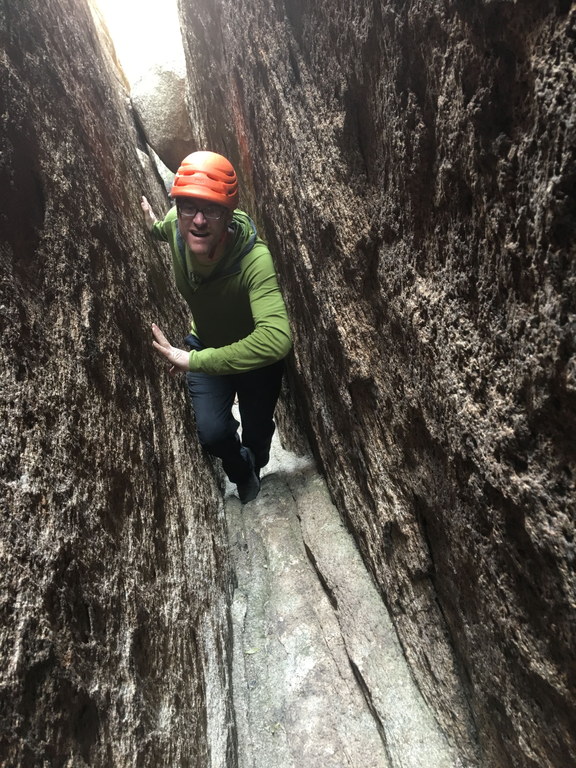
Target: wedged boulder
413,165
159,100
112,552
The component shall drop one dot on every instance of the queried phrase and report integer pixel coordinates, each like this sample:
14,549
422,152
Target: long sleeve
271,338
160,231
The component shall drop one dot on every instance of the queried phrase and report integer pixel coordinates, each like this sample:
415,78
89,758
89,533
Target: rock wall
414,168
113,627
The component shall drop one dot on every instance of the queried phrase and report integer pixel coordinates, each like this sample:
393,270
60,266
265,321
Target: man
240,332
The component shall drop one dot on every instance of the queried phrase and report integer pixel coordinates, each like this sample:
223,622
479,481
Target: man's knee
212,432
229,447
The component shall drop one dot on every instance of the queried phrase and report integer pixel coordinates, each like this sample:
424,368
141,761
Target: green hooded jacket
238,312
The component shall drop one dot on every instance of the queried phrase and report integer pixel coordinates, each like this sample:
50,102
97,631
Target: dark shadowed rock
113,566
414,168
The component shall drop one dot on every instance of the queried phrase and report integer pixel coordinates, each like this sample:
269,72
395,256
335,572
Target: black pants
213,398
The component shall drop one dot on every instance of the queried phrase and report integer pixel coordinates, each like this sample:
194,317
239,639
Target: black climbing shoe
248,489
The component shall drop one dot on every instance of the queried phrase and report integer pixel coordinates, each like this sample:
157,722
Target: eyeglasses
213,212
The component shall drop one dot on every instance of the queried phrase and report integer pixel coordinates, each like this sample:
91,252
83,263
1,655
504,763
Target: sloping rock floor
318,672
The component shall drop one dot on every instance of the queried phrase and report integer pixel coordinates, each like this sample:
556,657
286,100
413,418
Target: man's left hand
178,358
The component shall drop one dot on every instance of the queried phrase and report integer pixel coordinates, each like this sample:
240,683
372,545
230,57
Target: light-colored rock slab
412,735
319,676
300,701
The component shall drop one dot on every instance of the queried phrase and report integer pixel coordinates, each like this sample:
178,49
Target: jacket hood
243,234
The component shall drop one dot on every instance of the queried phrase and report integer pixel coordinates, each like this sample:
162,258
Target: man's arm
271,338
160,229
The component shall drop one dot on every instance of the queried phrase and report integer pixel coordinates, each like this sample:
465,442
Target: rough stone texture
319,676
113,566
414,166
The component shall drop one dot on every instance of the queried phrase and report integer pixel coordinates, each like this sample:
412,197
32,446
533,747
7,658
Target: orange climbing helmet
208,176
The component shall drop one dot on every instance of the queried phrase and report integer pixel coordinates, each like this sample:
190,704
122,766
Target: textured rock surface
112,554
414,166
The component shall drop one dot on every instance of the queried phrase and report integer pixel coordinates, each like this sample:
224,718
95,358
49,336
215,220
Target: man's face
202,233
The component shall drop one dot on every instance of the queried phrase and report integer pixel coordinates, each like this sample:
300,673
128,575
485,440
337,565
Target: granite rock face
414,169
113,568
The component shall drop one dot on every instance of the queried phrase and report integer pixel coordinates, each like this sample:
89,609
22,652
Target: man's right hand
177,358
149,215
